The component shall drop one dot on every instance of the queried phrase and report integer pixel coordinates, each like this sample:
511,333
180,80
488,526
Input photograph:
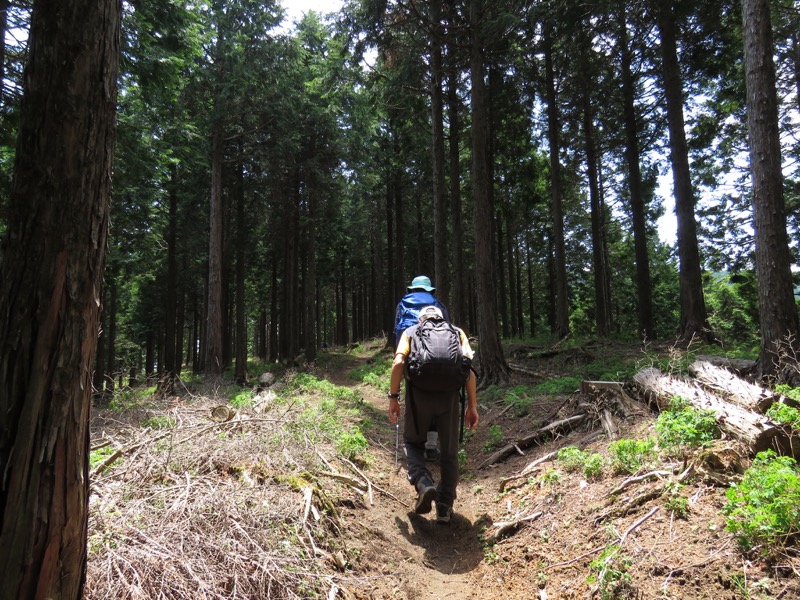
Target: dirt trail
418,558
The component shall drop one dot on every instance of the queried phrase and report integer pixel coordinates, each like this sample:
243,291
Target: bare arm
394,386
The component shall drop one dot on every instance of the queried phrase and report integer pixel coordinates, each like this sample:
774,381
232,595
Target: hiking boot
426,494
432,454
443,513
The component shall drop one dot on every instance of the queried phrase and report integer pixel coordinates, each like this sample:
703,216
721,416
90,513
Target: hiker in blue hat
433,396
420,294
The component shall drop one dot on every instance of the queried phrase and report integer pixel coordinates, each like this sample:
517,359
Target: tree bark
602,287
241,242
458,300
494,369
50,293
561,322
777,308
213,346
170,350
732,388
440,245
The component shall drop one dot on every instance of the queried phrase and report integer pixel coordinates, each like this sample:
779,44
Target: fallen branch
633,527
637,479
369,483
506,527
531,467
551,429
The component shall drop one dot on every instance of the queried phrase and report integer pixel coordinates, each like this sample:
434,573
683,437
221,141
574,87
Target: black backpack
435,361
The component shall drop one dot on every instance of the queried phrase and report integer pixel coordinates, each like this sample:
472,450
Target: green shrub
629,456
375,373
96,457
520,396
788,391
352,445
125,398
609,570
682,425
550,478
763,510
593,468
783,413
242,399
572,459
674,501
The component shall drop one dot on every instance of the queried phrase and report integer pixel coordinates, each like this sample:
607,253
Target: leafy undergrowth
299,492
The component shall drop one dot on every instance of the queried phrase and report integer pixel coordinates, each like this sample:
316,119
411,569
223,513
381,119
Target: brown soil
580,528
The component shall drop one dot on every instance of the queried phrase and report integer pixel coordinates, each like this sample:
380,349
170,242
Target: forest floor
547,533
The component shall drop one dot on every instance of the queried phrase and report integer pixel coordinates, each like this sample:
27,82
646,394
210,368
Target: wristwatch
391,395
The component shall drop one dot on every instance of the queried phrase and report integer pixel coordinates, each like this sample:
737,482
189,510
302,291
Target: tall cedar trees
50,295
777,309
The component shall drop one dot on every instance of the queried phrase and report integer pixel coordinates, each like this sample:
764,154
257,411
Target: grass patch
159,422
375,373
558,385
126,398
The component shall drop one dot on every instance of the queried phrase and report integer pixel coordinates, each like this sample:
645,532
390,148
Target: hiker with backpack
435,356
420,294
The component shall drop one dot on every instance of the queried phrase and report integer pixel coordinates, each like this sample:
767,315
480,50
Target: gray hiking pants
443,409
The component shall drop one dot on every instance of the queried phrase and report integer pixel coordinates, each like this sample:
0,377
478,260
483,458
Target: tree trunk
4,5
50,292
694,319
241,242
111,309
170,318
310,289
529,271
602,289
213,346
458,297
494,369
638,208
561,323
440,242
777,308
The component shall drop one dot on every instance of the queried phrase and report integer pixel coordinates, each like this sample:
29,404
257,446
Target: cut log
730,387
754,430
740,366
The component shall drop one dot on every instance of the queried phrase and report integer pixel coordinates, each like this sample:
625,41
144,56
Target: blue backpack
408,311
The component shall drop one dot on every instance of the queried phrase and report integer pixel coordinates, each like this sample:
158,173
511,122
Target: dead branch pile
237,509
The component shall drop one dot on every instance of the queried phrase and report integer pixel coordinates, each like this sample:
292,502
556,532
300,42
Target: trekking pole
396,441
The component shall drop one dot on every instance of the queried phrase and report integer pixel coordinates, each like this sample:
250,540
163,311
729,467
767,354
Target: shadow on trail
450,548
